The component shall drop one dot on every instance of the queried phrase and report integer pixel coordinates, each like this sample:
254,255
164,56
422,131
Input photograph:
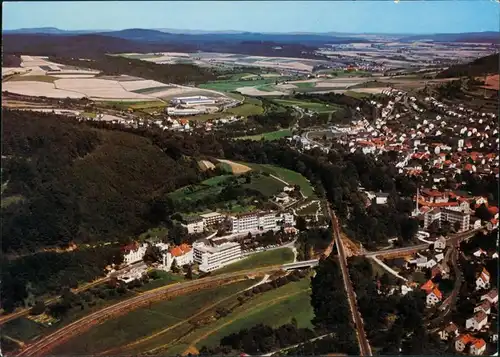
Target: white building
491,296
193,100
434,297
183,255
211,257
263,221
194,225
477,321
212,218
134,253
477,347
483,280
485,307
440,243
449,331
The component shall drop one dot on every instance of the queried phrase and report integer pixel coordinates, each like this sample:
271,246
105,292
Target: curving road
45,344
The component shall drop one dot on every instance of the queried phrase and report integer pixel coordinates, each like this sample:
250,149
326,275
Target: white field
38,89
99,88
12,70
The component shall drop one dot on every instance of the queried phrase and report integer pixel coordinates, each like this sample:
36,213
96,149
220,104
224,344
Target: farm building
195,100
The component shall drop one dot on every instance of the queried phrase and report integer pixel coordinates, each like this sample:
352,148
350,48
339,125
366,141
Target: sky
406,16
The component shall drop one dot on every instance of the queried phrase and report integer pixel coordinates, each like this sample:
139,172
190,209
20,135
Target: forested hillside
479,67
81,184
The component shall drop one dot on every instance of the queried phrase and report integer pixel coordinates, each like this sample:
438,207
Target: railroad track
45,344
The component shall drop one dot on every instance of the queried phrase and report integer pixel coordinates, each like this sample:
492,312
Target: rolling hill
479,67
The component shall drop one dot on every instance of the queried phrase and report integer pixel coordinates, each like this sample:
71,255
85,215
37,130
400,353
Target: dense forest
165,73
479,67
80,184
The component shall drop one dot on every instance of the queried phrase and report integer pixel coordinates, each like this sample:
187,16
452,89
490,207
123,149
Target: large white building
194,100
183,255
263,221
194,225
134,253
211,218
211,257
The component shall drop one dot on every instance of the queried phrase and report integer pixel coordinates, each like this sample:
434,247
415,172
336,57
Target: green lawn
7,201
166,278
292,177
89,114
194,192
358,95
309,210
231,85
214,181
23,329
262,259
266,185
272,135
246,109
145,321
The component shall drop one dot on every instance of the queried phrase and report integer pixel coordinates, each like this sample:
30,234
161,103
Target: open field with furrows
262,259
314,106
274,308
292,177
146,321
272,135
234,167
206,165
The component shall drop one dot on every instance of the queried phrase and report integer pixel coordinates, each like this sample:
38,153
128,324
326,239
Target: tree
177,233
189,273
38,308
483,213
174,267
152,255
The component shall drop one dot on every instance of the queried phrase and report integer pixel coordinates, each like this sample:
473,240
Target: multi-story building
212,218
263,221
194,225
182,254
134,253
211,257
431,216
454,216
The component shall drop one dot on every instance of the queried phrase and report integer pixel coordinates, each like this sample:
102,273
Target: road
364,346
47,343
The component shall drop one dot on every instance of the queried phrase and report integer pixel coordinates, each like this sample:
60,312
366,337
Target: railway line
47,343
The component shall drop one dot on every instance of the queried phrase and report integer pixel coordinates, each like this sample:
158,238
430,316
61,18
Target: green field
292,177
145,321
214,181
9,200
22,329
262,259
166,278
249,107
124,105
232,85
272,135
358,95
318,107
89,114
274,308
266,185
304,84
309,210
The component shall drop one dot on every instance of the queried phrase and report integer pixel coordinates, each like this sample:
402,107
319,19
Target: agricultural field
289,176
262,259
37,78
233,85
234,167
314,106
250,106
141,323
272,135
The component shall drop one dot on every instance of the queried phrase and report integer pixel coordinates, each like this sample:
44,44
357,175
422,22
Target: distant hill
479,67
469,37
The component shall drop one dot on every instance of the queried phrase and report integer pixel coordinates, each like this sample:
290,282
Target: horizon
403,18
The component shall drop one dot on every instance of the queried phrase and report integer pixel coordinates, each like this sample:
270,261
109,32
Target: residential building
434,297
478,253
211,257
183,255
428,286
483,280
245,222
450,331
212,218
462,341
431,216
477,347
475,222
381,198
134,253
477,321
491,296
263,221
454,216
194,224
440,243
485,306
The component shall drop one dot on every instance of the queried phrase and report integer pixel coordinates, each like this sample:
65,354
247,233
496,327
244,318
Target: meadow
318,107
261,259
272,135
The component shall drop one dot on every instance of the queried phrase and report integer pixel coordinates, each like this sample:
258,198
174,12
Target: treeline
479,67
81,184
165,73
260,339
27,278
393,323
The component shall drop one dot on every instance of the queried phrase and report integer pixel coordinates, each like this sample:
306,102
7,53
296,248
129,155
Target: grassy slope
272,135
272,257
268,186
144,321
289,176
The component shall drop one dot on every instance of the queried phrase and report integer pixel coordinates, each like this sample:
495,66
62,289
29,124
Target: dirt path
268,303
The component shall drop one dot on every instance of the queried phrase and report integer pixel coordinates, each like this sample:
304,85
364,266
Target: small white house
491,296
477,321
440,243
434,297
483,280
477,347
449,331
485,307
